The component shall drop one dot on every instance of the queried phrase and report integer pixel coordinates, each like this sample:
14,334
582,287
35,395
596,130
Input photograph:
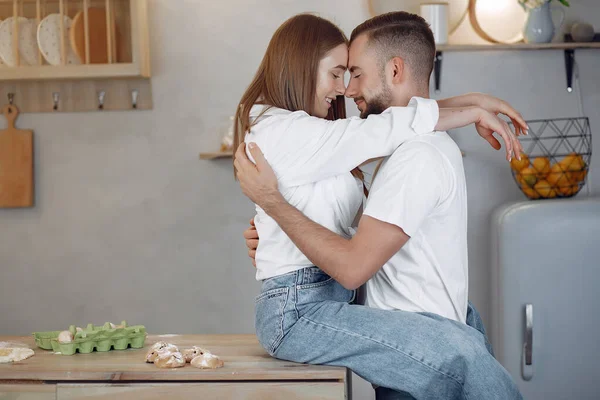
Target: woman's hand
499,106
251,236
486,124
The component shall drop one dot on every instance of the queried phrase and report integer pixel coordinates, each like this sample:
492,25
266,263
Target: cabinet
545,296
75,55
249,373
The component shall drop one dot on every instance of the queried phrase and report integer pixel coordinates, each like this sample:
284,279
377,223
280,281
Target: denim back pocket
317,286
314,277
269,317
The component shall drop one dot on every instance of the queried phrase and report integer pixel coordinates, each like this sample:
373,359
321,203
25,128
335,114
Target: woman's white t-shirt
312,159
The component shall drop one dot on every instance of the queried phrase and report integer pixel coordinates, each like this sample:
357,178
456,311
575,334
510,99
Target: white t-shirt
422,189
312,159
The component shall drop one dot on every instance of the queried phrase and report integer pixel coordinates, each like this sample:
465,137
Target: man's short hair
404,35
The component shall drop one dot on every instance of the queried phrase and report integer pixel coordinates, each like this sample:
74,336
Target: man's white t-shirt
421,188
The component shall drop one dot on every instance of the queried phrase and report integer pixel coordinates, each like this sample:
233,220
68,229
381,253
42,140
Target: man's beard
379,103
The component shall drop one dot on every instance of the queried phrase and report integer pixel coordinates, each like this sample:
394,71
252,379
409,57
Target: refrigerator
545,281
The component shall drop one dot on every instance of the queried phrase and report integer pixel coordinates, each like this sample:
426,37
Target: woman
283,111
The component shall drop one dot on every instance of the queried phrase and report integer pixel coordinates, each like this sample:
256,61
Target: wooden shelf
568,47
215,155
518,46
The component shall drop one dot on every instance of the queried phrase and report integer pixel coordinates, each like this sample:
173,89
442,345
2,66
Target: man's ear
396,66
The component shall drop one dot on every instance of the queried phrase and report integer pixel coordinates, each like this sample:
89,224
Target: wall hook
101,95
11,97
55,99
134,98
569,61
437,69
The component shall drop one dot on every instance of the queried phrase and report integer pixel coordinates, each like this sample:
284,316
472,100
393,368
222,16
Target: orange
529,192
578,176
527,176
520,179
518,165
545,189
568,190
541,166
558,176
573,162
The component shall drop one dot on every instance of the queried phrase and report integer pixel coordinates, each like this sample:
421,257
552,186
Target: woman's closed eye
336,76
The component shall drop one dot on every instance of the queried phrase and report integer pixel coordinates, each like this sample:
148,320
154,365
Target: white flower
532,3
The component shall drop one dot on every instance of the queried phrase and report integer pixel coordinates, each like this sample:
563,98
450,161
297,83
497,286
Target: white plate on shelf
48,38
27,42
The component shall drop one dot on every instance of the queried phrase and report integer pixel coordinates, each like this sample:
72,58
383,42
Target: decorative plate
27,42
97,35
48,37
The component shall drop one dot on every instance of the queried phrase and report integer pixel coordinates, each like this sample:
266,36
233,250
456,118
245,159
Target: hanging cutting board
16,163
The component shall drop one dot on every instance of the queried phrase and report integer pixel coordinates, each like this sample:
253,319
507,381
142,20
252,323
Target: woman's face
330,79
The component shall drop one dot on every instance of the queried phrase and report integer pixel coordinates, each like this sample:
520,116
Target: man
411,244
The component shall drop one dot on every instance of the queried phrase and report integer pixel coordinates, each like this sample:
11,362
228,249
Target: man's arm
351,262
344,271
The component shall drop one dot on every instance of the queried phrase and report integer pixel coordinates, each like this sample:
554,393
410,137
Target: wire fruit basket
556,160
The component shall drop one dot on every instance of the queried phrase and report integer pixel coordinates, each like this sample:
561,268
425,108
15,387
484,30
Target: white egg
65,337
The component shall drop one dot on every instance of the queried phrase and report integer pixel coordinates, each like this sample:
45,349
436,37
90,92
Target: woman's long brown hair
287,76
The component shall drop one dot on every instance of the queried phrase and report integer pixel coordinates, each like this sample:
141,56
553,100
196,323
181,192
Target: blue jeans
305,316
473,320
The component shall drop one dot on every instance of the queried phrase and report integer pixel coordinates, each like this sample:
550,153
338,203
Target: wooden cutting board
16,163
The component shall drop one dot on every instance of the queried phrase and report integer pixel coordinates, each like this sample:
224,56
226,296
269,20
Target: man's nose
350,90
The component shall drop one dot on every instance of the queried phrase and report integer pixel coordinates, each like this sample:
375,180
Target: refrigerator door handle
527,358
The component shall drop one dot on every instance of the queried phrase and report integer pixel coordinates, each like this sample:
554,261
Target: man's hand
251,236
258,182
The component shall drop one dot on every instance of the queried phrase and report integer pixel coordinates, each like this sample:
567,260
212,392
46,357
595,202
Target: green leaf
564,3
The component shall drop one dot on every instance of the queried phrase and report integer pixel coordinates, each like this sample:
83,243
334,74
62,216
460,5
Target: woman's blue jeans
307,317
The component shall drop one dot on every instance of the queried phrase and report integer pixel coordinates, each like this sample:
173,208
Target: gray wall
129,224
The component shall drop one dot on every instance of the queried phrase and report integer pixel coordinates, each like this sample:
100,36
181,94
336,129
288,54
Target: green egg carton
99,338
43,339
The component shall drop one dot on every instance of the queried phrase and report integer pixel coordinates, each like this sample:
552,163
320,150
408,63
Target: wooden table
249,373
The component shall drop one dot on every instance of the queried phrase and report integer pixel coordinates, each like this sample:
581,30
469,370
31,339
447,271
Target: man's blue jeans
473,320
305,316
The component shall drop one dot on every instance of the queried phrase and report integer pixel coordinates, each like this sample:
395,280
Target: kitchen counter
249,373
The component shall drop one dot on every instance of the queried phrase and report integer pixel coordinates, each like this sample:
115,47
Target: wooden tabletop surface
244,360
